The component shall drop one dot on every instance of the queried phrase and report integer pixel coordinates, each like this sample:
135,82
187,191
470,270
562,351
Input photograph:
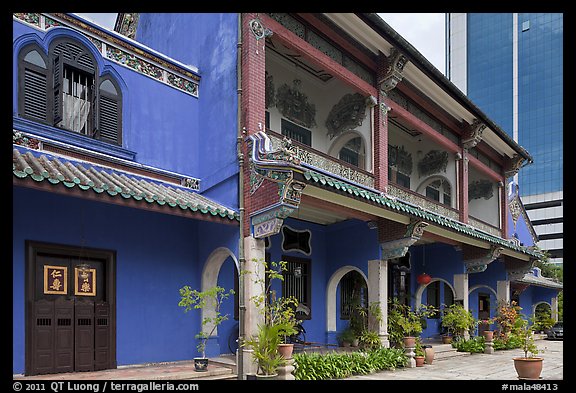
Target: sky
425,31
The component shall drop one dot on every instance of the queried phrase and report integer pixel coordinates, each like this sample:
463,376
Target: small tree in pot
213,297
530,365
456,320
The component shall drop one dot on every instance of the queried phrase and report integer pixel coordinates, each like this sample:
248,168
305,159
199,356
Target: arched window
353,152
438,189
64,90
33,84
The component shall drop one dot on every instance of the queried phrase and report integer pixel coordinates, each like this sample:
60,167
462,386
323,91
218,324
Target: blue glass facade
540,87
489,71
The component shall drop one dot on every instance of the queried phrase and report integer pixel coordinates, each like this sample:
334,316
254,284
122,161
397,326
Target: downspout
241,258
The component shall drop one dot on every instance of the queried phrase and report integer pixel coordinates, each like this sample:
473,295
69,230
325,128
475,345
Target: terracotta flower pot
488,335
286,350
409,342
419,361
528,368
446,339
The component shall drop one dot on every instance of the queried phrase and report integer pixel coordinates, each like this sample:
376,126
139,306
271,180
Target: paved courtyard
497,366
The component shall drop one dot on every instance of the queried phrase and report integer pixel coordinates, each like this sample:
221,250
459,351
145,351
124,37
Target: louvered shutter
58,88
109,117
35,99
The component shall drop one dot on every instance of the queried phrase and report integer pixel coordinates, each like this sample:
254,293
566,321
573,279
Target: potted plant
456,320
213,297
419,355
530,365
265,350
404,324
279,321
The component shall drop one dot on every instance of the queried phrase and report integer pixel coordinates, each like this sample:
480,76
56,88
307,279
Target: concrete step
227,361
445,351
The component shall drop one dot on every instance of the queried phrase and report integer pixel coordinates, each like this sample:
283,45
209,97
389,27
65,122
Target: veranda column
378,292
254,251
554,304
461,288
503,292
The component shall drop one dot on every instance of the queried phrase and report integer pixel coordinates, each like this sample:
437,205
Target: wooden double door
70,313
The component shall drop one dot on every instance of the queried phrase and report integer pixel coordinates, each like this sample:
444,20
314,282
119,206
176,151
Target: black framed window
353,292
296,133
433,297
297,282
64,89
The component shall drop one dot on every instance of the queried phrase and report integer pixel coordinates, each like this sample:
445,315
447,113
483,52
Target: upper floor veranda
359,103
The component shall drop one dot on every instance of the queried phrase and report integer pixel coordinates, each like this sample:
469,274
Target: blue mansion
180,149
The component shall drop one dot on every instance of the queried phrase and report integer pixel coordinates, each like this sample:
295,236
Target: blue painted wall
165,127
156,255
333,246
207,41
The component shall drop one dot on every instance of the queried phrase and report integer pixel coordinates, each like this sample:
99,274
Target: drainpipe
241,258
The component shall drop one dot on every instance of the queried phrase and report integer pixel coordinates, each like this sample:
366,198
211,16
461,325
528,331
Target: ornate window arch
351,148
64,89
437,188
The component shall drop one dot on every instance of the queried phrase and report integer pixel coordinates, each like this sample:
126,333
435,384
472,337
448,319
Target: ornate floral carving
480,189
294,105
259,30
478,265
331,165
434,161
346,115
474,136
394,72
127,24
513,166
515,210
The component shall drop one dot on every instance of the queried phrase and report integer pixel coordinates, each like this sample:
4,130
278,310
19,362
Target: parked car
556,331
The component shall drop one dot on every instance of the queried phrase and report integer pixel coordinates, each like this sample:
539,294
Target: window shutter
58,87
94,111
35,94
109,124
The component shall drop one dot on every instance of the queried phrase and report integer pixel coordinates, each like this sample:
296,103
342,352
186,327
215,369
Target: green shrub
472,345
315,366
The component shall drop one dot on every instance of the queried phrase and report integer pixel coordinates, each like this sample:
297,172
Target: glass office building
511,66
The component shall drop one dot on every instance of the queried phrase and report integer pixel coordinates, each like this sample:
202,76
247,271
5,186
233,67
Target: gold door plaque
55,280
84,282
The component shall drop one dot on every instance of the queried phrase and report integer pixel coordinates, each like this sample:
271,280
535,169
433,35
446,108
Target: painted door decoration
69,327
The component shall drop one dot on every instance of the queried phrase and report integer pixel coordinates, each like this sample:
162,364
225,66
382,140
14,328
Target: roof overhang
377,36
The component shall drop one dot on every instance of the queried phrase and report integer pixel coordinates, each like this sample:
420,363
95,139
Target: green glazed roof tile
401,206
115,182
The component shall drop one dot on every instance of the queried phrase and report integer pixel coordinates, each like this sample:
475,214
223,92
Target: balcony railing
420,200
323,161
476,223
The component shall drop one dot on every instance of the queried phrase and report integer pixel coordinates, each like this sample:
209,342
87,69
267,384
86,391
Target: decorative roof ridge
399,204
40,143
40,166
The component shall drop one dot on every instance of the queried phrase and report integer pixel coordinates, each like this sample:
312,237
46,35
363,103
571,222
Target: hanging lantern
424,279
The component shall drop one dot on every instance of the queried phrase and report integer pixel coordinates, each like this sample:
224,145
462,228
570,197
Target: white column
254,251
378,292
461,288
554,304
503,292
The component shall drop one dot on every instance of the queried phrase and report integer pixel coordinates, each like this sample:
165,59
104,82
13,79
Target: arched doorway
331,292
222,268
